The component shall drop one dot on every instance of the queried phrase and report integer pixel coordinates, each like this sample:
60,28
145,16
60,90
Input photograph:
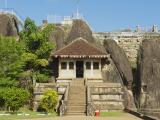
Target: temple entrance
79,69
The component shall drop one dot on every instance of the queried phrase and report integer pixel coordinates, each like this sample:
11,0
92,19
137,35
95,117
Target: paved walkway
126,116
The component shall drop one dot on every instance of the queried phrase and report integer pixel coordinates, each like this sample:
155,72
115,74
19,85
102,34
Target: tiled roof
79,47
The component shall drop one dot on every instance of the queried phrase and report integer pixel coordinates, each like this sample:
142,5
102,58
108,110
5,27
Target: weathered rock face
120,60
148,74
57,38
80,28
111,74
9,26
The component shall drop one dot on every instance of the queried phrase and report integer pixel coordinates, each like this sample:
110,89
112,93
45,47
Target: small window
95,65
71,65
63,65
88,65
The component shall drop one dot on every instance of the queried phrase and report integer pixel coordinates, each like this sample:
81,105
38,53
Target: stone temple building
80,82
79,59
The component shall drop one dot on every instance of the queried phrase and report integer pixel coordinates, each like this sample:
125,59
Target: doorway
79,69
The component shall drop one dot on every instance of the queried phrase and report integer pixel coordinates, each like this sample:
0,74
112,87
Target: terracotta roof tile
79,47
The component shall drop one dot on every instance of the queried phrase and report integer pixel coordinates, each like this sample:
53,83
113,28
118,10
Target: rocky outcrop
148,76
81,29
120,60
111,74
8,25
57,38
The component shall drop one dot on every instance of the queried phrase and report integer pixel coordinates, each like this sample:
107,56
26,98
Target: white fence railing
81,16
12,11
146,29
67,17
54,18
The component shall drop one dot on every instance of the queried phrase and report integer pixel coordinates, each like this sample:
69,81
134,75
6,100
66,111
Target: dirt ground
126,116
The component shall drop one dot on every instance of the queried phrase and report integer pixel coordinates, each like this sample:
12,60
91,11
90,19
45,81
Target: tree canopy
38,48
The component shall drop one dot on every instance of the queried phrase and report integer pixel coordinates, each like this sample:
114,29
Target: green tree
49,100
15,98
38,48
11,62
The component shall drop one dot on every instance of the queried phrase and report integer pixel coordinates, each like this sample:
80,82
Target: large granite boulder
8,25
111,74
147,76
120,60
81,29
57,38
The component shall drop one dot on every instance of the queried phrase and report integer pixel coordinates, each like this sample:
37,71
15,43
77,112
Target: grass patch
110,114
33,114
133,64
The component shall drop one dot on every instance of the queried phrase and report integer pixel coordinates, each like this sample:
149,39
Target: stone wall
107,97
130,46
40,88
128,41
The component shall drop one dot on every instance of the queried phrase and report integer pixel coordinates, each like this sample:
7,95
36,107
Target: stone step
76,102
76,111
77,92
76,105
70,99
76,114
76,98
83,90
77,87
75,82
76,108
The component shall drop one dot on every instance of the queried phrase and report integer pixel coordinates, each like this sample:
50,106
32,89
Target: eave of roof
82,50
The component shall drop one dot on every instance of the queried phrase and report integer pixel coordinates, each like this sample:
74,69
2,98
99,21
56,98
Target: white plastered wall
67,73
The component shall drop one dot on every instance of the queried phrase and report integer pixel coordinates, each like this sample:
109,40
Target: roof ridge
94,46
79,38
69,44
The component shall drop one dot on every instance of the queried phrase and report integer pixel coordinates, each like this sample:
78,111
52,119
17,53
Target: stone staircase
76,104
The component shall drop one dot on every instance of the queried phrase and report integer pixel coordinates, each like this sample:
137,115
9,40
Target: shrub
65,28
15,98
133,64
49,100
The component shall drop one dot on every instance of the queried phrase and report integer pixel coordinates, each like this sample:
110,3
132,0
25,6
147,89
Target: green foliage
119,30
38,48
133,64
47,31
11,61
49,100
65,28
15,98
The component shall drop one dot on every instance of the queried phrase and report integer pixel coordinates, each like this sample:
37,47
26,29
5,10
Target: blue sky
103,15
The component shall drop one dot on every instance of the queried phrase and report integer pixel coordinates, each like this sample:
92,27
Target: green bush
65,28
49,100
16,98
133,64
